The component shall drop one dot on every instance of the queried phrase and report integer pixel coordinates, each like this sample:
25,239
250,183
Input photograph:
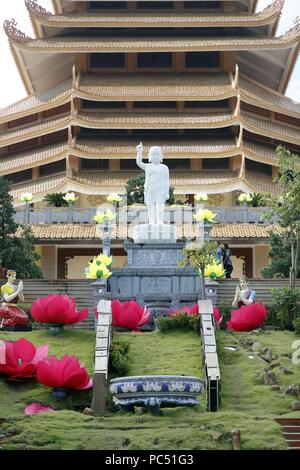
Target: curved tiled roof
262,183
160,120
142,86
259,95
177,147
82,44
59,94
32,158
35,130
145,19
270,129
89,231
39,187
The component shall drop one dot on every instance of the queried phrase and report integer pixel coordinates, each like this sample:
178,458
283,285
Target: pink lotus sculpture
57,309
36,408
129,314
63,374
21,359
247,318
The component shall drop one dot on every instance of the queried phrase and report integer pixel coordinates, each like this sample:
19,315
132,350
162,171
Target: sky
12,88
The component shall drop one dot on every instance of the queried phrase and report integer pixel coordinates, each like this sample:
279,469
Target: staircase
291,432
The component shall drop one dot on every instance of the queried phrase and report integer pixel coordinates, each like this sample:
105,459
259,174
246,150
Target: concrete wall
49,261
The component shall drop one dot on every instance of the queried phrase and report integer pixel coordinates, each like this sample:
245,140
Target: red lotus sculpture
65,373
247,318
21,359
58,309
129,314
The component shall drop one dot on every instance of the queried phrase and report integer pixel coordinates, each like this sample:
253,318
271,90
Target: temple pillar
49,261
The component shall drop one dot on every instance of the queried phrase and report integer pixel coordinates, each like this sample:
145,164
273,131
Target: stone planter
155,392
60,393
56,329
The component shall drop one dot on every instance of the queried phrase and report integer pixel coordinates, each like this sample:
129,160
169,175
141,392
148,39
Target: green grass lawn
247,404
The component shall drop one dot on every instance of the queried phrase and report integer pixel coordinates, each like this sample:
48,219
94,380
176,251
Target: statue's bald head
155,153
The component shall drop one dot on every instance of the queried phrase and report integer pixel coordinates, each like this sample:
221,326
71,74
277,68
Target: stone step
291,432
292,436
291,429
288,421
294,444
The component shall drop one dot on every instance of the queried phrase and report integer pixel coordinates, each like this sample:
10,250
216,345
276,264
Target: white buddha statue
156,183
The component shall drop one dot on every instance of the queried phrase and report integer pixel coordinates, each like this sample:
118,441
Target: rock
275,387
287,371
217,436
296,405
2,436
270,378
256,346
267,354
293,390
247,341
274,364
88,411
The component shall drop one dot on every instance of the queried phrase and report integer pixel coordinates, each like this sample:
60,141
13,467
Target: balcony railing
178,215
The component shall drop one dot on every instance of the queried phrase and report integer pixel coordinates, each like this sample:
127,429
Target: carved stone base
146,233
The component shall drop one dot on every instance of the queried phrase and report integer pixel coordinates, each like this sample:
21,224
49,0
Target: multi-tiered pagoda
203,79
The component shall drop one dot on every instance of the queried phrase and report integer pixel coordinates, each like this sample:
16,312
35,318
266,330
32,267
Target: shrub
297,326
119,357
225,311
182,321
285,307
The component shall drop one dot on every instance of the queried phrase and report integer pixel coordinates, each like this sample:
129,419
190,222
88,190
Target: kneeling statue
248,315
12,315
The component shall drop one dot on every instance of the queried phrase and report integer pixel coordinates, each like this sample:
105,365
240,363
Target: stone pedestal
152,277
146,233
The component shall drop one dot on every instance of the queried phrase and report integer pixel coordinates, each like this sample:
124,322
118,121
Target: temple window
86,104
155,105
202,4
115,5
22,121
216,163
53,168
258,167
202,59
64,109
93,164
19,176
105,60
154,60
222,104
155,5
178,163
128,164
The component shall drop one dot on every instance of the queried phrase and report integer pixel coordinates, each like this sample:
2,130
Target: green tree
199,256
135,190
16,241
286,206
279,258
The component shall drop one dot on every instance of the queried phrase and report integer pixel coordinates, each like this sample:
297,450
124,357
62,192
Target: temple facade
203,79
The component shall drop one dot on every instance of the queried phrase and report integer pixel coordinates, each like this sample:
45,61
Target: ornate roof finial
236,77
71,139
238,106
240,137
276,5
73,77
10,27
36,9
294,32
